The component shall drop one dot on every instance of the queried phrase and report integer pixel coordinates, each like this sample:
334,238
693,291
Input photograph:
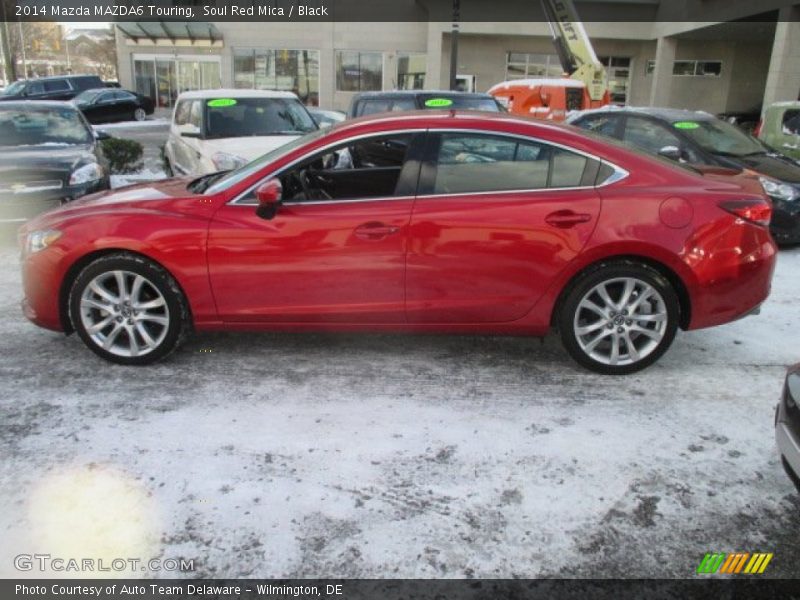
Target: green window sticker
438,103
686,125
221,102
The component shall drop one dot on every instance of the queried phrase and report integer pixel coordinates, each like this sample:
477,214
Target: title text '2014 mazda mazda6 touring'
425,222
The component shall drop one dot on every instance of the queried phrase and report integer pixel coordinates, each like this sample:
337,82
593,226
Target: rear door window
56,85
470,163
603,124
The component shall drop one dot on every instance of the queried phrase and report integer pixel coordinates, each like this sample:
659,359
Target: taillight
755,211
757,128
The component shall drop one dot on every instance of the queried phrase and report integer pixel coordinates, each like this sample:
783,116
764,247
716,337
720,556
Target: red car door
335,250
496,219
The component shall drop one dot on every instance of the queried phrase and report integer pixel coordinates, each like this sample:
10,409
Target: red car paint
491,262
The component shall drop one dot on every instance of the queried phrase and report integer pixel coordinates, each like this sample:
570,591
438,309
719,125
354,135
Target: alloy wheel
124,313
620,321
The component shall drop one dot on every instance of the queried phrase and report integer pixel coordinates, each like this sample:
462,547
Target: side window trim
241,198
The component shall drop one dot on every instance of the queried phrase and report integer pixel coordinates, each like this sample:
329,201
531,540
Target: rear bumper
734,279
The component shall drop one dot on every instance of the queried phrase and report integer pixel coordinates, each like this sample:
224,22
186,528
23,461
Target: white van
219,130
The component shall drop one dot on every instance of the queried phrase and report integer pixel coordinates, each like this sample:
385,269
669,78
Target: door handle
375,231
564,219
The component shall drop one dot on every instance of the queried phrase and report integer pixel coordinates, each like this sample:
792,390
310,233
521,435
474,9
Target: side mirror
671,152
101,135
269,195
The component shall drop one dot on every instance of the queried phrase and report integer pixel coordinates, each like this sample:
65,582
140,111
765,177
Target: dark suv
369,103
698,138
63,87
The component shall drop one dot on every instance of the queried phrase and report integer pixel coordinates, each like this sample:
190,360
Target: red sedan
425,222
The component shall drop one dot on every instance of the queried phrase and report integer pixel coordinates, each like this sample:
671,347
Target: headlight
39,240
779,191
227,162
86,174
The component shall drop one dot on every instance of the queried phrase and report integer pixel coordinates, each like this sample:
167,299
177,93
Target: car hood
48,156
145,194
248,148
772,165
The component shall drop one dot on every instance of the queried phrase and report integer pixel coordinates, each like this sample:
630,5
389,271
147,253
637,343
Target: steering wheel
302,178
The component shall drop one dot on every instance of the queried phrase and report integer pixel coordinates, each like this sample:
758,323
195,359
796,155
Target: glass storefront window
520,65
359,71
162,78
411,71
283,70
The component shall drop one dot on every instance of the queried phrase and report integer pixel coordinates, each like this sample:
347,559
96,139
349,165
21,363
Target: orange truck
585,84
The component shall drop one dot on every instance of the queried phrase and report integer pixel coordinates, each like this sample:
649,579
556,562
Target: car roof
662,113
425,117
413,93
57,77
231,93
36,104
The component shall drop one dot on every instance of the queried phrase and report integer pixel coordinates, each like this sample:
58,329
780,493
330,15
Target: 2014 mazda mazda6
425,222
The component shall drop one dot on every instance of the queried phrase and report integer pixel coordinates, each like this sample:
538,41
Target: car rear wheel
139,114
619,318
128,310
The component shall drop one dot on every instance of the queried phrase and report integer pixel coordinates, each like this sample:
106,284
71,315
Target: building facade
717,66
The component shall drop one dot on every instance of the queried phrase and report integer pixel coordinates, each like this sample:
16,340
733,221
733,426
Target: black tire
158,281
615,275
168,170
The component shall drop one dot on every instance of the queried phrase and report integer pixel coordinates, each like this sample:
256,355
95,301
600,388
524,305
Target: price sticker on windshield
221,102
686,125
438,103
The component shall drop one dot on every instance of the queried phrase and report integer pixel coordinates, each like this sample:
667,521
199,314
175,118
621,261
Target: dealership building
748,56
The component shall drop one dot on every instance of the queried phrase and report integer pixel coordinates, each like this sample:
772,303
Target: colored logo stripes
734,563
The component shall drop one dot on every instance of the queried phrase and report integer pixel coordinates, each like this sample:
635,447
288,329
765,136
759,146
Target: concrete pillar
433,67
661,88
783,78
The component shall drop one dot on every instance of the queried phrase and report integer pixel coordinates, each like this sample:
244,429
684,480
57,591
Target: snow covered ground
398,456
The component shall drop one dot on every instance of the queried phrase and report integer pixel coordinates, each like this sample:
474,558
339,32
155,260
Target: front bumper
785,225
19,207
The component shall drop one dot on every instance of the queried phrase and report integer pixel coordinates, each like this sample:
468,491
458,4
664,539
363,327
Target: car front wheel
128,310
619,318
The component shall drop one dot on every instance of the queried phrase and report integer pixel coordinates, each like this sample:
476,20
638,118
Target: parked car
370,103
104,105
326,118
700,138
787,425
780,128
435,222
217,130
48,155
63,87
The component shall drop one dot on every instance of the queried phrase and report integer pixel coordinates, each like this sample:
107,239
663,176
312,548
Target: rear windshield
42,127
240,117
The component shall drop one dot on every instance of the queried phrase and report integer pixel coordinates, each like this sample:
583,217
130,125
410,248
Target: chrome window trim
618,172
277,172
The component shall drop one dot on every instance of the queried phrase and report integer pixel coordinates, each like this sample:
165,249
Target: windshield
720,137
40,126
242,173
240,117
14,89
